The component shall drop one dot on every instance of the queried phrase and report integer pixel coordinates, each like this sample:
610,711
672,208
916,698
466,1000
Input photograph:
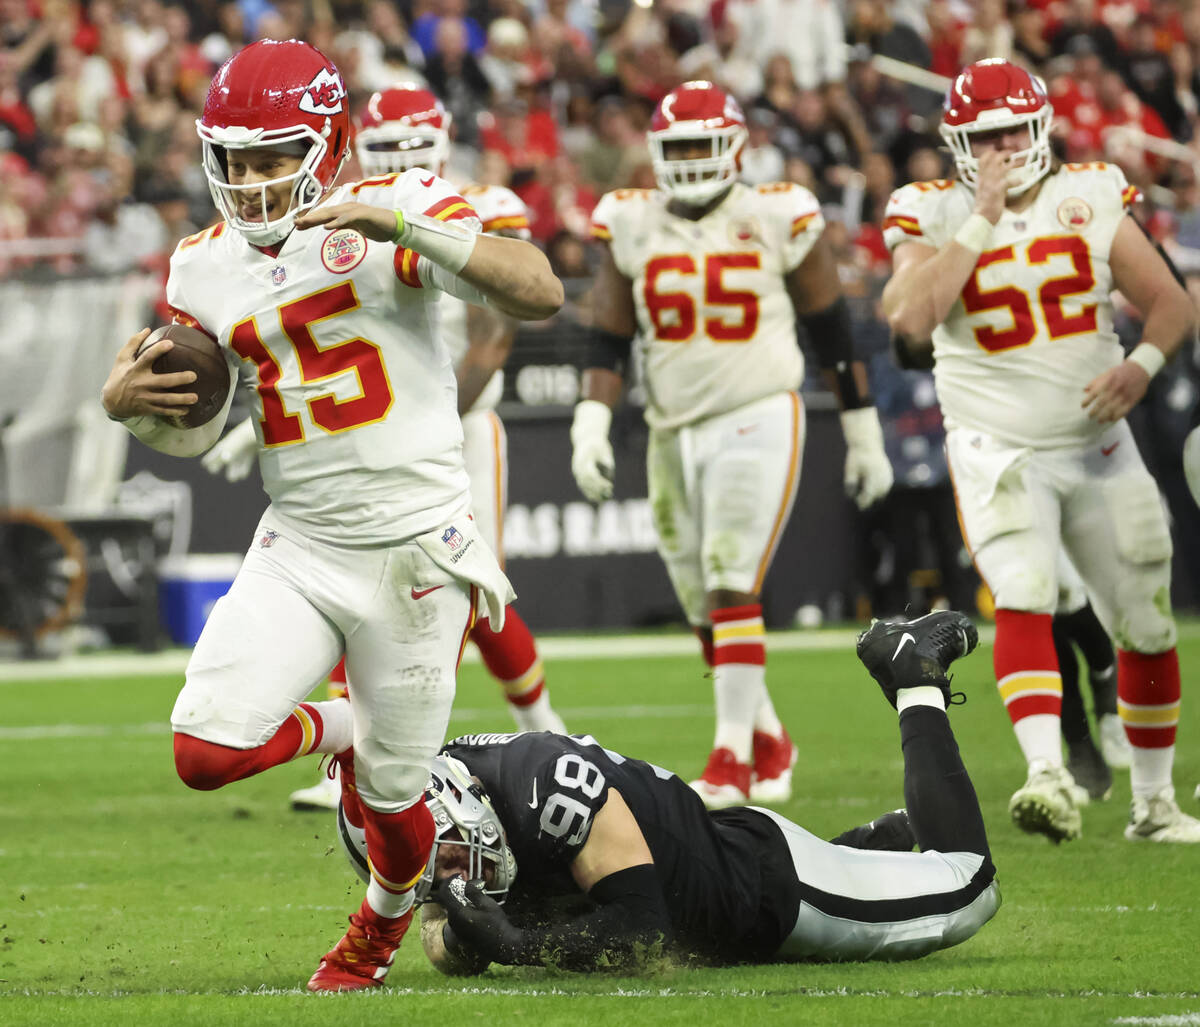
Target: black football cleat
908,653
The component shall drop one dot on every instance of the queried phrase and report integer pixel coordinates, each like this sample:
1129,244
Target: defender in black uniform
617,860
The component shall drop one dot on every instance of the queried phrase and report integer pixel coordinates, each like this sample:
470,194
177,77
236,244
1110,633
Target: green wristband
399,227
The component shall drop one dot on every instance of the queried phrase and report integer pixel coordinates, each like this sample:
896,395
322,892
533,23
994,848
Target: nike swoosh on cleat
420,594
906,637
533,802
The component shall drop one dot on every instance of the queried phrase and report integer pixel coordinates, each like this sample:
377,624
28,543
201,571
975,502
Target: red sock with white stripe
739,676
398,847
1148,691
511,656
312,727
1027,676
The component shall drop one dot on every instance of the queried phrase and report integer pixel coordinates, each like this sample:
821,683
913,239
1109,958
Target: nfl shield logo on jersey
452,537
279,274
268,538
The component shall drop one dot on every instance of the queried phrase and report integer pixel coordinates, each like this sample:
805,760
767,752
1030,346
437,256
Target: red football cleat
725,781
364,955
773,762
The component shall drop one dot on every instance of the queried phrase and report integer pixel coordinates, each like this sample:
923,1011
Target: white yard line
562,647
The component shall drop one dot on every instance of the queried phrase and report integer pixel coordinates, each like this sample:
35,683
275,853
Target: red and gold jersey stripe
600,231
451,208
1130,195
509,221
908,225
405,262
801,223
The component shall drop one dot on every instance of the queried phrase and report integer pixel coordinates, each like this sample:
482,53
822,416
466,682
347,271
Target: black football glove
478,922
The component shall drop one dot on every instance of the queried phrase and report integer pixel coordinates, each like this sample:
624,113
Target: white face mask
306,188
698,180
1029,165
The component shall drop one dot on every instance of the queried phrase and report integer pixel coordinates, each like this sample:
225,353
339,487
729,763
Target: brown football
193,351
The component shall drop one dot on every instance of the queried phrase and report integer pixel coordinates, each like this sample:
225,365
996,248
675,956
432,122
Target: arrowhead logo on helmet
324,94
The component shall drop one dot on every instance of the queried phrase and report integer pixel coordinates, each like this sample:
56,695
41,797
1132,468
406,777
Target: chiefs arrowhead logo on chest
343,250
1074,213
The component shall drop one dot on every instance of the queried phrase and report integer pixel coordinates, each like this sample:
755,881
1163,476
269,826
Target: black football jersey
728,876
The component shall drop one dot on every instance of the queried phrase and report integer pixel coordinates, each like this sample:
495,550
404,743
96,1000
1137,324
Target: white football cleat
1046,803
325,794
1159,819
1114,745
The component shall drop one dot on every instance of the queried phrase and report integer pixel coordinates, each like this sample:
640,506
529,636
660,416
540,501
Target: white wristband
975,234
443,242
1148,357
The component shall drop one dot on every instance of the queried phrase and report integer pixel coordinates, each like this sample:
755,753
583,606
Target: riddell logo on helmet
324,94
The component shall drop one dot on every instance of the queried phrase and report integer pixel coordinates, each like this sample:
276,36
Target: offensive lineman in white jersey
1008,271
325,300
711,274
401,128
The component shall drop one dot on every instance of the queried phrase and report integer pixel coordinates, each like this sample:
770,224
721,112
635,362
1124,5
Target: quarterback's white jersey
353,389
498,209
1034,322
715,318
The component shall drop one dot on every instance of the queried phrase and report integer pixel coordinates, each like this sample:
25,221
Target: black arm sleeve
829,332
609,350
631,922
833,341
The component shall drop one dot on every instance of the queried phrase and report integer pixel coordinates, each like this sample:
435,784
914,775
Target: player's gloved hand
478,921
591,452
235,454
868,474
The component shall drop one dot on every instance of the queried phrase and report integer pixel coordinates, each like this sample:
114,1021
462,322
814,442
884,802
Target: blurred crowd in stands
100,162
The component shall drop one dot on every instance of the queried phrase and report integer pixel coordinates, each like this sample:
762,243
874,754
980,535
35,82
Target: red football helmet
697,111
277,95
994,94
403,127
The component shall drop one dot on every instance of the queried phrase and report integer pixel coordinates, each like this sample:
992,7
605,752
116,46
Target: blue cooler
188,588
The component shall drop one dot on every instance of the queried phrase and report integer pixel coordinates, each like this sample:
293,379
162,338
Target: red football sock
1148,693
398,845
511,656
205,765
1027,676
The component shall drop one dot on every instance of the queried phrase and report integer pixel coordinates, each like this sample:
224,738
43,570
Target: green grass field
126,899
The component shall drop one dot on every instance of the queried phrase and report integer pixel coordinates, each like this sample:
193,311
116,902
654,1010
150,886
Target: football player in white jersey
711,275
407,127
1006,272
401,128
325,300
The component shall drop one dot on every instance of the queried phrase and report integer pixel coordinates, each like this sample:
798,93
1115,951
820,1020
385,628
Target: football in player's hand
193,351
